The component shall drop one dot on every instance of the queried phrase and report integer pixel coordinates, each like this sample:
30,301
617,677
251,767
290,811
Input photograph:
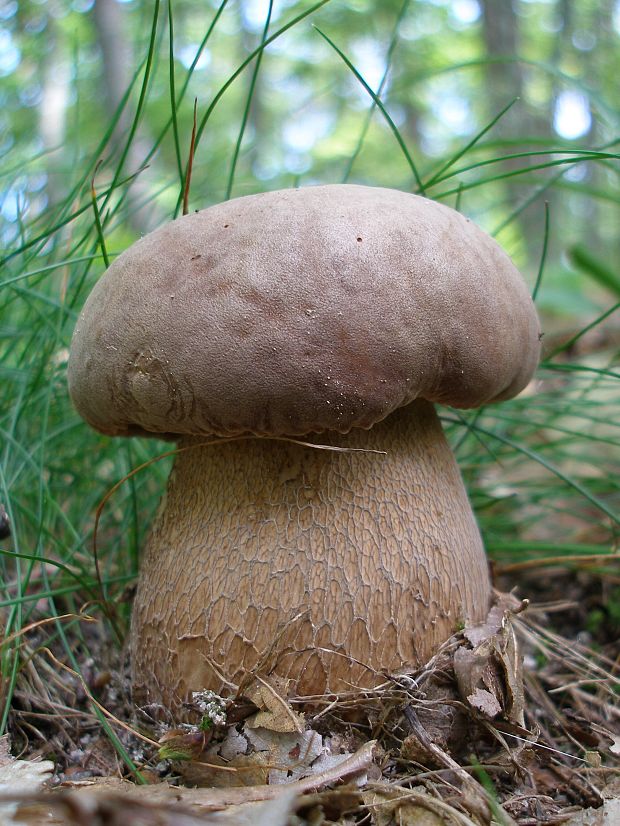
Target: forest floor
514,722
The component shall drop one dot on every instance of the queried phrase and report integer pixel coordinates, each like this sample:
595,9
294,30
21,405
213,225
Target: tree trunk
110,29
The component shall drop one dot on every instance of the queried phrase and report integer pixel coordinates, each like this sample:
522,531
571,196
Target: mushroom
293,343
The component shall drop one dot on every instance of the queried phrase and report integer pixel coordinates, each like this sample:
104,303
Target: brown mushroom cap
301,311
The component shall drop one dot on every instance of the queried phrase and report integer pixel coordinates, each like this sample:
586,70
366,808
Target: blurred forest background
445,69
508,110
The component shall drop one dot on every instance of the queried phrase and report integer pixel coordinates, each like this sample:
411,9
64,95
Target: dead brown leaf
274,711
489,675
164,805
411,807
18,777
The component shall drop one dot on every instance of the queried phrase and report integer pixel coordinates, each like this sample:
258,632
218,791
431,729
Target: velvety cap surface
300,311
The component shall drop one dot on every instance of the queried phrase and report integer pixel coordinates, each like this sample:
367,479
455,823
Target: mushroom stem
380,554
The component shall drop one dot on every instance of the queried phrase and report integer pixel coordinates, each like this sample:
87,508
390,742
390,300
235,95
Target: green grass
542,470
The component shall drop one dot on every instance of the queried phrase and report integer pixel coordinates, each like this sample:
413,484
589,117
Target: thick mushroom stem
379,553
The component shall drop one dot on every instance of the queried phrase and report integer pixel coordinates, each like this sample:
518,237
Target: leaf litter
509,723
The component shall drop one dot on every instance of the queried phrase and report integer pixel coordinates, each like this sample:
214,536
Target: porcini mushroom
331,314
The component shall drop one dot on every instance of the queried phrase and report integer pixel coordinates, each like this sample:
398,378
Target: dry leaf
607,815
485,702
5,750
410,807
477,634
292,755
262,756
211,771
19,777
117,802
271,813
232,746
275,712
489,676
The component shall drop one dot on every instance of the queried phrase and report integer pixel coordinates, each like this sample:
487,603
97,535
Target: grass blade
543,255
380,88
589,263
244,64
93,197
468,147
382,109
248,104
173,99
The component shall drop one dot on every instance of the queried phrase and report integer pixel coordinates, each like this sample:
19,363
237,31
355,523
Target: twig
190,163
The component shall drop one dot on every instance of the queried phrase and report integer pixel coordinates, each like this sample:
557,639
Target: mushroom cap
301,311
